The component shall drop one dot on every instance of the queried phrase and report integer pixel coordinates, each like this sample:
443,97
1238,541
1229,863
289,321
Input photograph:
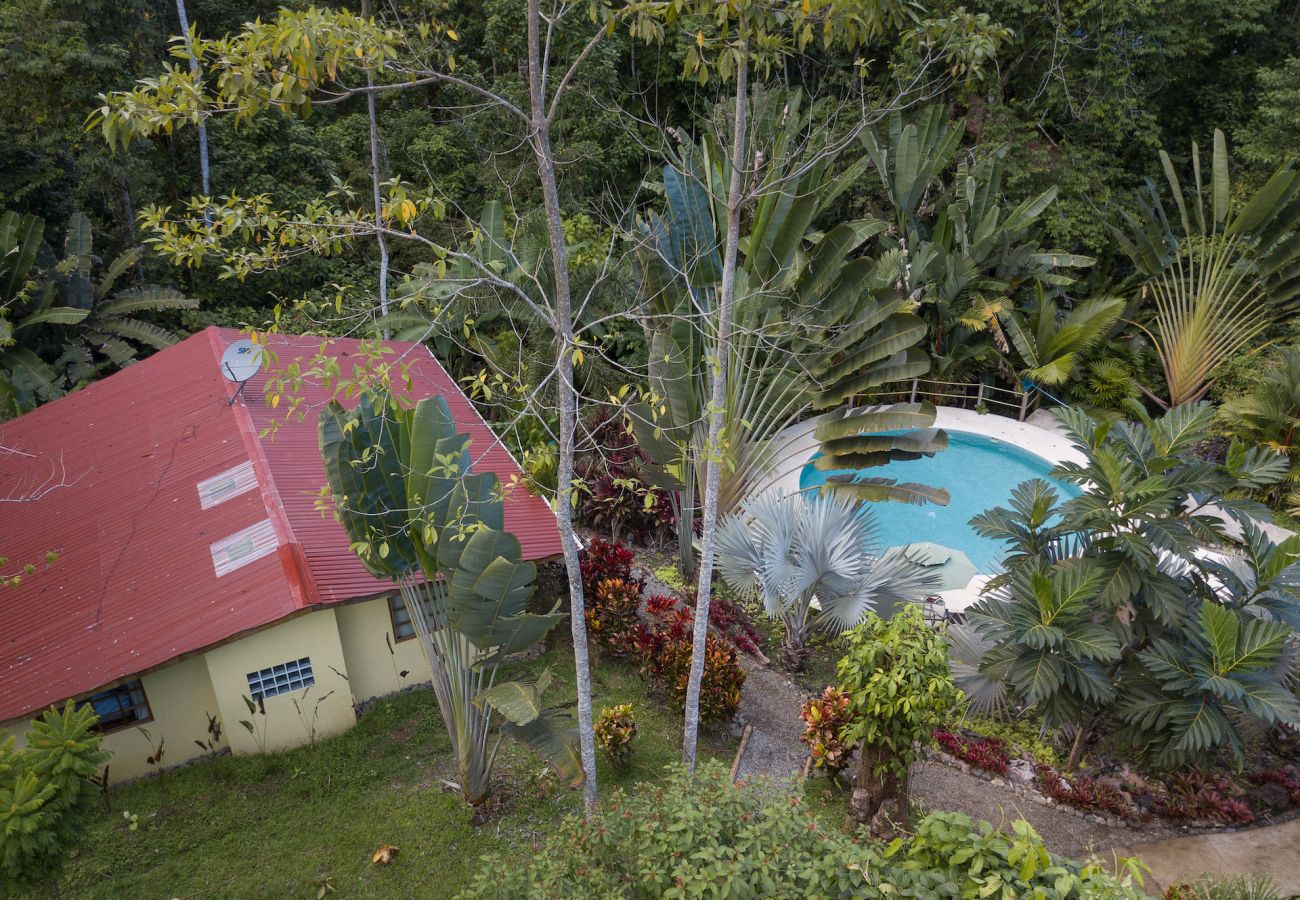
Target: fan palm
1231,271
814,563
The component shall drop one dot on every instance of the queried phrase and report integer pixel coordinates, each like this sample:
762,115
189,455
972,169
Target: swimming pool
978,472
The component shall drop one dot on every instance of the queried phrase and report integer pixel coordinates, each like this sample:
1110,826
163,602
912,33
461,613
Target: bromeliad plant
794,550
402,488
1112,615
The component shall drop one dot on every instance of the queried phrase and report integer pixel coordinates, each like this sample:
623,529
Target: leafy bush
603,561
46,796
665,653
1197,795
613,614
896,674
725,616
615,729
824,718
1021,736
1107,617
989,754
618,499
707,837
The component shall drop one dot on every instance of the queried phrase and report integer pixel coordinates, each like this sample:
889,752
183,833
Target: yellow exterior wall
314,635
372,670
180,697
349,639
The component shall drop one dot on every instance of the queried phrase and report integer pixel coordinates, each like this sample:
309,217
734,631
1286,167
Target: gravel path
770,703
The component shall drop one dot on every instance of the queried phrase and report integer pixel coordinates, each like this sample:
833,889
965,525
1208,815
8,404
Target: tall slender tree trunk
717,400
205,173
375,170
540,138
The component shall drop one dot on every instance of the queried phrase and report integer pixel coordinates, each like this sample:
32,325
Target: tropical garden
677,253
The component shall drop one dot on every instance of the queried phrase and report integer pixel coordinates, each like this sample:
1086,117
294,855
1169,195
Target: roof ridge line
296,569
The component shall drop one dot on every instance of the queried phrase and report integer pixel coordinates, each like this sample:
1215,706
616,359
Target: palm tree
1269,414
798,550
1050,341
1230,270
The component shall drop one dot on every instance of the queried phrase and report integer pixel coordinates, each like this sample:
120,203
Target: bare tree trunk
880,802
540,138
205,173
374,185
717,399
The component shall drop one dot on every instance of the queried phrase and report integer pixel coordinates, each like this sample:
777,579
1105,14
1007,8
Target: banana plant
963,254
795,551
60,326
802,311
403,490
1220,267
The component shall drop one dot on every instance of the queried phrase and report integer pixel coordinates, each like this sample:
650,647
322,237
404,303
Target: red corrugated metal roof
135,584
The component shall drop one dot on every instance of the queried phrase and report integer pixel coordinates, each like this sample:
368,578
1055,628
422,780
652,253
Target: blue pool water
979,473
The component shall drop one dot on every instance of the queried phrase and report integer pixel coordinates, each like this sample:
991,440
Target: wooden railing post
914,386
1024,404
979,395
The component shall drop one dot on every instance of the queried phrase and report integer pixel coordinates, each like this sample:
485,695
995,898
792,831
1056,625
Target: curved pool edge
798,446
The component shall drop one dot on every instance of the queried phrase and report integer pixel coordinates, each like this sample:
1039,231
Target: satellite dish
240,362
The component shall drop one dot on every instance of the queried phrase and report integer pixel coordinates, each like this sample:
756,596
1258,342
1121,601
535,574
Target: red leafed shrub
665,653
823,717
618,499
660,608
1281,777
1197,795
985,753
603,561
1085,793
612,614
725,618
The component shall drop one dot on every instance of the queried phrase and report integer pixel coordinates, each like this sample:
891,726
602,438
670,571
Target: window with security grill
120,707
290,676
403,629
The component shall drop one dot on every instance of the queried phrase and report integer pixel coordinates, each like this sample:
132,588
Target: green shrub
46,796
707,837
615,729
1021,735
900,689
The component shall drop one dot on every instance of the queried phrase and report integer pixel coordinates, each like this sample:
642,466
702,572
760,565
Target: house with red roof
193,566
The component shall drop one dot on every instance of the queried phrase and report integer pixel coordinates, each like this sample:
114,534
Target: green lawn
285,825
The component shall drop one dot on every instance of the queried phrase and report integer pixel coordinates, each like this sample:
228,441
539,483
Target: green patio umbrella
954,568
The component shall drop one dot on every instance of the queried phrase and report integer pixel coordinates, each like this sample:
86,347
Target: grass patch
288,824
